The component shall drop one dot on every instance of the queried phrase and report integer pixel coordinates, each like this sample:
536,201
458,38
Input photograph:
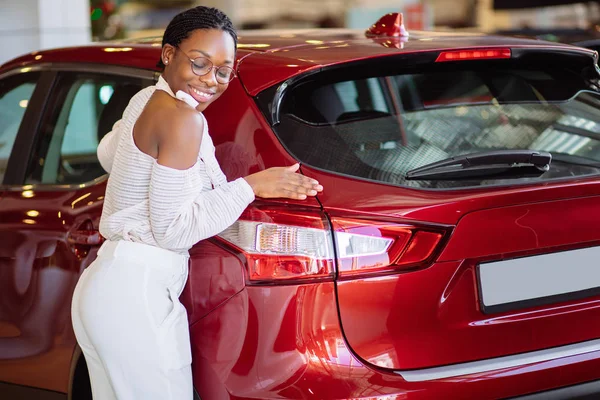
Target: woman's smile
201,95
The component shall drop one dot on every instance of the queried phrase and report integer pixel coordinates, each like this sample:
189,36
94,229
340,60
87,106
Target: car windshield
381,127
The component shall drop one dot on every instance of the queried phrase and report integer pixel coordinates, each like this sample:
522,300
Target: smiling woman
165,193
191,64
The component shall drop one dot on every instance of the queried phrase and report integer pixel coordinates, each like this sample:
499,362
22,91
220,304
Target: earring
166,61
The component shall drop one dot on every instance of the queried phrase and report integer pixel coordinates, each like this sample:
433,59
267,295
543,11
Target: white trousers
130,325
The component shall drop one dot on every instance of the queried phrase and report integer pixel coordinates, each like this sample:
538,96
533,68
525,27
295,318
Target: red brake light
420,248
474,54
368,247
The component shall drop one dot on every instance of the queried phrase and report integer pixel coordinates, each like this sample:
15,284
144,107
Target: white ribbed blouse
149,203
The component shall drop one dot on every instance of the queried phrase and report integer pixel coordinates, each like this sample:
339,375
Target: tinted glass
15,94
84,109
380,128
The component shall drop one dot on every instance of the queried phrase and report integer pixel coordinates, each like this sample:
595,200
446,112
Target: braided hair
199,17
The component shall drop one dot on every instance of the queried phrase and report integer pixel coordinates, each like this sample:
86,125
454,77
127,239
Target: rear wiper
573,159
499,163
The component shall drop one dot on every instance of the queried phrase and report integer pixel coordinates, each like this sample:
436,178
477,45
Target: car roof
287,53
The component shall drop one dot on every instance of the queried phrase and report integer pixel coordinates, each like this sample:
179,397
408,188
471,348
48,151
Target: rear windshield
381,127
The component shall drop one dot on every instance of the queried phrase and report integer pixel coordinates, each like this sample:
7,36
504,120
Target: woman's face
215,45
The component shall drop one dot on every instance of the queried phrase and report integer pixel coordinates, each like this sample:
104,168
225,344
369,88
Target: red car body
405,323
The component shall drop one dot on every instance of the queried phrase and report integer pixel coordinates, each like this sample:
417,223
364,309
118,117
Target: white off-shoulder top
149,203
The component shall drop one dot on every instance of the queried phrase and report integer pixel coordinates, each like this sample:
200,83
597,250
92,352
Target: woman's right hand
283,182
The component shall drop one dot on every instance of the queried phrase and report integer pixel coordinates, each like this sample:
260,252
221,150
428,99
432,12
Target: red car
452,255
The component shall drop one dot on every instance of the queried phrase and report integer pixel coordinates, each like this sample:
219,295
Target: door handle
89,237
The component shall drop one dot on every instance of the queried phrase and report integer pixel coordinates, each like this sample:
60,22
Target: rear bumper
583,391
286,343
494,364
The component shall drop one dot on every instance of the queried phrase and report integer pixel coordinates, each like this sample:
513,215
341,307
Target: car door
49,217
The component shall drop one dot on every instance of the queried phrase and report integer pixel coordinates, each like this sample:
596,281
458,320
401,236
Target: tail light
370,247
286,245
474,54
283,244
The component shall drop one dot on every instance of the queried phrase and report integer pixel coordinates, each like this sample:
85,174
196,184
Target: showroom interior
30,25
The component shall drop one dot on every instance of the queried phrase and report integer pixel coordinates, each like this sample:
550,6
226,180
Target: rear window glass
381,127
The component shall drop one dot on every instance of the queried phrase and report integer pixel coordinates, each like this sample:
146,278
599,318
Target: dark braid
200,17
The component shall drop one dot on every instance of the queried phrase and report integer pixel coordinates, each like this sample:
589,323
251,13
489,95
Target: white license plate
538,280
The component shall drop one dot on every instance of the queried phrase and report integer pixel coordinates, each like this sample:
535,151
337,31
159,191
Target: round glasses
202,66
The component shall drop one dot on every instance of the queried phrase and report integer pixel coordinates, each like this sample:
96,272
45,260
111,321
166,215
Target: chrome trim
276,105
44,187
492,364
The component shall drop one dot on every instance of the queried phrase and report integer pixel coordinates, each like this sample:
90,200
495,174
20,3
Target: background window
85,109
15,94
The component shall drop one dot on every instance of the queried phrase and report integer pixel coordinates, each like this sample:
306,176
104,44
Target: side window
15,94
84,108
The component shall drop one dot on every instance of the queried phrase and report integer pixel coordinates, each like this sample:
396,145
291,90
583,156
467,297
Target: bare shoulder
178,129
175,119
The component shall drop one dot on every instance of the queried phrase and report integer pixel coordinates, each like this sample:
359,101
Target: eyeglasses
202,66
